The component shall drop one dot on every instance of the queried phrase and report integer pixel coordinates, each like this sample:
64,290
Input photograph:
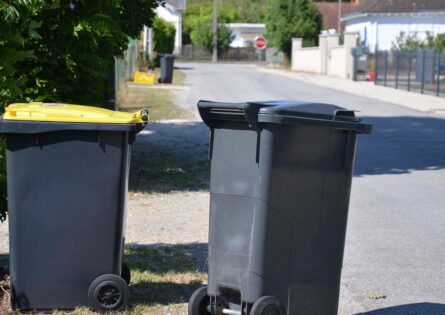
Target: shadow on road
172,155
409,309
399,145
184,68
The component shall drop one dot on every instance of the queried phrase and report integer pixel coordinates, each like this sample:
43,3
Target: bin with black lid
167,66
280,182
67,171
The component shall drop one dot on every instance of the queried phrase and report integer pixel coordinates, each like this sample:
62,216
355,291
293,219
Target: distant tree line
198,25
284,19
244,11
412,42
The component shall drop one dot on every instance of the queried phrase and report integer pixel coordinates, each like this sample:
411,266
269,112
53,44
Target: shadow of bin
280,182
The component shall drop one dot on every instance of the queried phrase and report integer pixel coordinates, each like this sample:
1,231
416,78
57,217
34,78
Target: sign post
260,44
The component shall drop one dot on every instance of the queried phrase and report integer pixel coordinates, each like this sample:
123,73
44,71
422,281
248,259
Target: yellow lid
55,112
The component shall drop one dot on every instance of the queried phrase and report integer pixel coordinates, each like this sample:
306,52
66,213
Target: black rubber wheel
125,273
108,293
267,305
199,301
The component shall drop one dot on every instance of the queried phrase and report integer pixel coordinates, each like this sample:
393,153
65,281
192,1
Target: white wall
328,58
245,33
382,29
307,60
337,62
366,30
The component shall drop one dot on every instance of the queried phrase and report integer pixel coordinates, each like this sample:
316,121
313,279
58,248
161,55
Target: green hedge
287,19
63,51
198,25
163,36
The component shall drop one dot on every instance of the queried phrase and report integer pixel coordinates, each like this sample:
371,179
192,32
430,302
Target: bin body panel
67,200
279,205
167,66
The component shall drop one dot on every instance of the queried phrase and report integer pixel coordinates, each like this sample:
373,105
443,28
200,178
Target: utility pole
339,17
215,31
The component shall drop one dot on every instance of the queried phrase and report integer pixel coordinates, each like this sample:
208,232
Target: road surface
395,243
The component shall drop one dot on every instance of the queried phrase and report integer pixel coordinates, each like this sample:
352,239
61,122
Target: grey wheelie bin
167,66
280,181
67,168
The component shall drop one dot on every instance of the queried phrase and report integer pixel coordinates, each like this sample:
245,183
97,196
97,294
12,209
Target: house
379,22
329,12
245,33
171,12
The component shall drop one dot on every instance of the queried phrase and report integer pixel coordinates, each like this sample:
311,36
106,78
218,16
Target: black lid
306,110
283,112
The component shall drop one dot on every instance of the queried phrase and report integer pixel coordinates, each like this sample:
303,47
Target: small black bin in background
280,182
67,169
167,66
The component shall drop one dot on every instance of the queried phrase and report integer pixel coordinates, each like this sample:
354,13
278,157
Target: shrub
407,42
200,28
287,19
163,36
63,51
412,42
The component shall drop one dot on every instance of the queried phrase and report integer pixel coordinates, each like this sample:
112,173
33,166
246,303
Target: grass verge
163,279
159,101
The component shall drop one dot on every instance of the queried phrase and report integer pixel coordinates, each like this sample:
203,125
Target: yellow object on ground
56,112
144,78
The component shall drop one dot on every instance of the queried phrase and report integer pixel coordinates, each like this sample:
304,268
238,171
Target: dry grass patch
159,101
163,278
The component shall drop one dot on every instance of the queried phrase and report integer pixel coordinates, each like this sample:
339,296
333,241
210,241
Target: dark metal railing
421,71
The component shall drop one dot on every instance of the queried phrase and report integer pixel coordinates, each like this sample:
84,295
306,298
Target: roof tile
377,6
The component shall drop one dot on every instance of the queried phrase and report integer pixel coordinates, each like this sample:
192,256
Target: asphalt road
396,232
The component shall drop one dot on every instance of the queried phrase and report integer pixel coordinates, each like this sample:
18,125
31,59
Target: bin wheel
267,305
108,292
125,273
199,301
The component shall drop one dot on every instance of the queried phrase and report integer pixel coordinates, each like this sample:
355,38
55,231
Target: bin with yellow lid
67,168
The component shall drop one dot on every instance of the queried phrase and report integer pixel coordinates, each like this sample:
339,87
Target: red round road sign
260,42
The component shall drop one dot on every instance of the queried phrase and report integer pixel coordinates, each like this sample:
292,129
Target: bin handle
141,116
210,111
345,115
